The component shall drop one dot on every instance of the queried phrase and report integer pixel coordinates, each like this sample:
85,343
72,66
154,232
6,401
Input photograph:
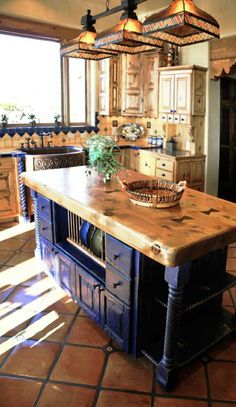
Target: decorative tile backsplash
107,126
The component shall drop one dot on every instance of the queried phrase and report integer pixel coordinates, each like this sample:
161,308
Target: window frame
47,32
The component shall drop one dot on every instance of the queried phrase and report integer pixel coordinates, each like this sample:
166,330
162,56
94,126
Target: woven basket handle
182,185
123,183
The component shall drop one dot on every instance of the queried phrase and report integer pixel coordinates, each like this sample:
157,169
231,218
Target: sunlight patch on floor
31,309
20,273
16,230
30,331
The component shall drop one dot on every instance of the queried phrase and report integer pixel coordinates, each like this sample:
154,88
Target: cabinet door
197,172
115,86
116,320
103,86
151,85
182,104
199,83
47,259
147,164
88,293
166,95
132,84
183,172
8,198
134,160
66,273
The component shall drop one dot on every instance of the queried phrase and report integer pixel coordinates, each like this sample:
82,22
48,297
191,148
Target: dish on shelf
84,232
154,193
97,242
132,131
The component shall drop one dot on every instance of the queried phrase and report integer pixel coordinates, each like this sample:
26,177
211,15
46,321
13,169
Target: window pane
30,79
77,90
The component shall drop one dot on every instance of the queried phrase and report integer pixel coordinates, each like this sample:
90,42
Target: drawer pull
116,256
163,175
1,174
163,165
44,228
146,164
116,284
42,208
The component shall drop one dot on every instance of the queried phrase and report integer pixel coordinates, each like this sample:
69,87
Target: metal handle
115,256
116,284
163,175
163,165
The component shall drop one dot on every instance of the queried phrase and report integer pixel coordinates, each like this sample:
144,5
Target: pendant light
126,36
83,46
182,23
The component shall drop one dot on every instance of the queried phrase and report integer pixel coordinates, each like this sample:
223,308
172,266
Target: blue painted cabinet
116,320
88,291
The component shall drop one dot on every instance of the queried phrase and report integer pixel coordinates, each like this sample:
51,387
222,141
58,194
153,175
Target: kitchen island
153,279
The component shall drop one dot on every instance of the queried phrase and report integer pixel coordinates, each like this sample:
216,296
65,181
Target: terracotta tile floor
52,354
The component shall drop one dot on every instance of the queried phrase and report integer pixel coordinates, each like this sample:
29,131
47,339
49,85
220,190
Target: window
30,79
77,93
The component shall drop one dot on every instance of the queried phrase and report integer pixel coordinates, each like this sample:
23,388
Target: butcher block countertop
199,224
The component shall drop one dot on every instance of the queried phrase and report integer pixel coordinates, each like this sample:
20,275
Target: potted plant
32,119
102,152
57,118
4,120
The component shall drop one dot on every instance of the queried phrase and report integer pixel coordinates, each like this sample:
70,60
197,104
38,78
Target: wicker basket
155,193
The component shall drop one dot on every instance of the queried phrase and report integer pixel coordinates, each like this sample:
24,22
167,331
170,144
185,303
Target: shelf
196,295
197,336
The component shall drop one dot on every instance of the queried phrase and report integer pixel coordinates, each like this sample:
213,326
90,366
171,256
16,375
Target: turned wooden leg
37,251
166,371
22,187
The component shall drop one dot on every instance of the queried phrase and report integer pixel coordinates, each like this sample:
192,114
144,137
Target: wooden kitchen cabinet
128,85
132,84
191,169
8,188
182,93
147,163
109,88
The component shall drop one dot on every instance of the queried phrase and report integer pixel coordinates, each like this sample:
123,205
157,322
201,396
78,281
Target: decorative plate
132,131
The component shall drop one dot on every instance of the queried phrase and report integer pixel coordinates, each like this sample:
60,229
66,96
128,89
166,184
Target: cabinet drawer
45,229
164,174
119,255
45,208
164,163
6,163
117,284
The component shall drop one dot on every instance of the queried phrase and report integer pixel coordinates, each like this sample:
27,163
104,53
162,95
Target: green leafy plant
4,120
32,119
57,120
103,152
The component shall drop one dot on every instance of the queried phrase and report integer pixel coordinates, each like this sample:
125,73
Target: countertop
199,224
122,143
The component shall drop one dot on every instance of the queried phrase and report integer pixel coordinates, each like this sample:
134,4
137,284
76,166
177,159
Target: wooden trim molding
222,55
15,25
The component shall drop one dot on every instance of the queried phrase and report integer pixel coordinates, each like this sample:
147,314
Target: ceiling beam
30,28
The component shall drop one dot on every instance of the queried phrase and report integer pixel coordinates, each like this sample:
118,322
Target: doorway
227,170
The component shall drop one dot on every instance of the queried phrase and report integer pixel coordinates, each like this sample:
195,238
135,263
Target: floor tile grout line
99,384
208,387
154,381
60,350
